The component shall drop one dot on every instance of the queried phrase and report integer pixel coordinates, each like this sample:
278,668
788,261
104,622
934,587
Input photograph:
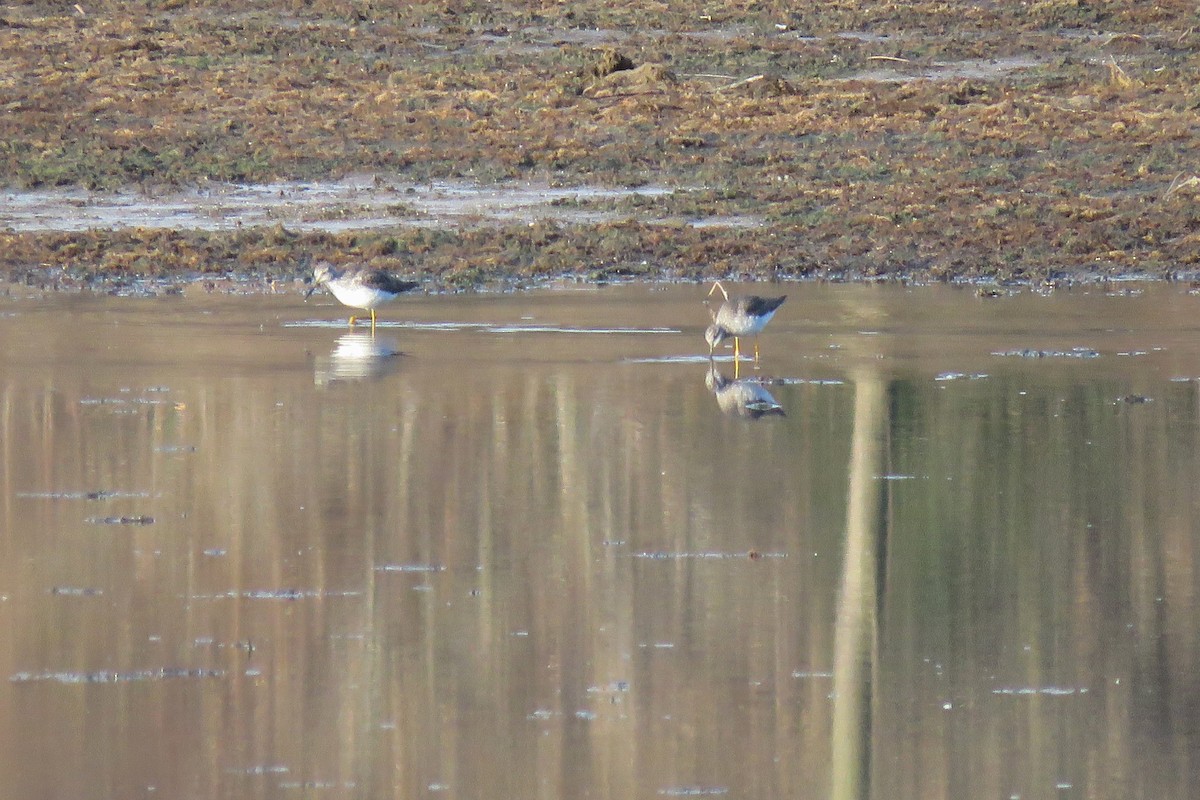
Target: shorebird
738,316
363,287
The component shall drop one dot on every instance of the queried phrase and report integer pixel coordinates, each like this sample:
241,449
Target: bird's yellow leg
756,352
737,350
372,321
352,320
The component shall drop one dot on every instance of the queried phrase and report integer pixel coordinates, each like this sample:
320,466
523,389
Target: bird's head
322,273
714,335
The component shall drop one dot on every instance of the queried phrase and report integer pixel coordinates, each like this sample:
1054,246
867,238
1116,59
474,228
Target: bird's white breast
356,295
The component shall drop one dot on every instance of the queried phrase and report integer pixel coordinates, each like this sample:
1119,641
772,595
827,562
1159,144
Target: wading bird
363,287
738,316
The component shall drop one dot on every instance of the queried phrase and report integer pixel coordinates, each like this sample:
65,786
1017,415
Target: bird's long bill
311,289
717,285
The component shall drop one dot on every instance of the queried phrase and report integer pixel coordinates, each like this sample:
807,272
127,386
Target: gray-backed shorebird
738,316
363,287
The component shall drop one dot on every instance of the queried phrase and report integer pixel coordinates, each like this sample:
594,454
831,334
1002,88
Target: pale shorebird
363,287
738,316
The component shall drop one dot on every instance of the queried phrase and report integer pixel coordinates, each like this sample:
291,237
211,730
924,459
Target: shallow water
514,546
355,203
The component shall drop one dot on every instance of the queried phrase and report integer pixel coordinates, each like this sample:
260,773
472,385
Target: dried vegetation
1044,141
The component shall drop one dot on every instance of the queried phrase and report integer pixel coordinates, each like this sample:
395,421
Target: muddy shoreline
1046,144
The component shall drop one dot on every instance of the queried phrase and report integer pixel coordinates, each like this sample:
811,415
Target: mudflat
1042,142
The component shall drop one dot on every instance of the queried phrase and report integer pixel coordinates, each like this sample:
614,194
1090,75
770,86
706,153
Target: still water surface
526,546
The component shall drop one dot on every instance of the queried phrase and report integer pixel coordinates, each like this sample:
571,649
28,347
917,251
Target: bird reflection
356,357
746,398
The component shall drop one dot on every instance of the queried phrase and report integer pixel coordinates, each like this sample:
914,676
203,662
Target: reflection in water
357,357
745,397
855,637
524,566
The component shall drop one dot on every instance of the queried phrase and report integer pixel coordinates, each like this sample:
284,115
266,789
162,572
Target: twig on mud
713,75
1123,37
1179,183
1117,75
614,97
742,82
897,59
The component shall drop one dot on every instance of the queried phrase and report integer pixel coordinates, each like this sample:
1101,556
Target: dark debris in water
111,676
1135,399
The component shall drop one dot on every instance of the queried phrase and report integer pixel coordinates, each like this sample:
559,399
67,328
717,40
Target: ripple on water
138,519
1074,352
410,568
264,769
1050,691
961,376
486,327
662,555
112,676
76,591
276,594
693,791
96,494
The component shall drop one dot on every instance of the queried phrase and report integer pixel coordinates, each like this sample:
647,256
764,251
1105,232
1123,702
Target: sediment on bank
944,141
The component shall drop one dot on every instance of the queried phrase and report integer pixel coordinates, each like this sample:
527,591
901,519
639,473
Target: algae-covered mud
1041,141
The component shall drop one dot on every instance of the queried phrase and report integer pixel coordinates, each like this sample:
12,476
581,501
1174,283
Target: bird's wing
758,306
385,281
